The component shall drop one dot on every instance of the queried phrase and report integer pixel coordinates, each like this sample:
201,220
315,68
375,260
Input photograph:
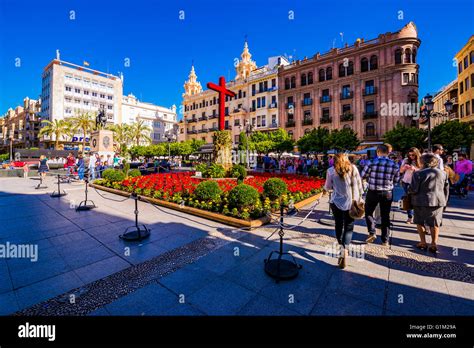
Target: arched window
398,56
408,55
322,75
364,65
369,129
328,73
350,68
347,126
287,83
303,79
342,70
413,56
293,82
373,62
310,78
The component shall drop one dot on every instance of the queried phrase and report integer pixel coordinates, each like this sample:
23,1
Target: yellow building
449,92
255,103
465,60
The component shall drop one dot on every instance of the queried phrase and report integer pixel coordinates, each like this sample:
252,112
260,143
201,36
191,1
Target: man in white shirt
438,151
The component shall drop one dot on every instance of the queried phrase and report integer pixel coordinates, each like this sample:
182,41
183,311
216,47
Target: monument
102,140
222,139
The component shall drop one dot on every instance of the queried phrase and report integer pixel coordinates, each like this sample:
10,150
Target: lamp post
11,148
248,130
429,104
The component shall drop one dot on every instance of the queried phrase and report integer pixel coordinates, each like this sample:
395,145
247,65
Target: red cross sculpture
220,88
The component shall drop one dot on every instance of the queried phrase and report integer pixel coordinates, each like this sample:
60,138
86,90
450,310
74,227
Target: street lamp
429,105
11,148
248,130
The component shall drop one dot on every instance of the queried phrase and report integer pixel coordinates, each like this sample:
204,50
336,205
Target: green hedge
208,191
243,196
134,172
238,171
113,175
274,188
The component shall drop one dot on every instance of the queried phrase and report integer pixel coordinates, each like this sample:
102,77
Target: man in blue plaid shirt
381,173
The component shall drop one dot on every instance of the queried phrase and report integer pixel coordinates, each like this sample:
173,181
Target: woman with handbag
346,201
409,165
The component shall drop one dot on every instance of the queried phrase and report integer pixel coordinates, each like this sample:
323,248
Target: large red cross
223,91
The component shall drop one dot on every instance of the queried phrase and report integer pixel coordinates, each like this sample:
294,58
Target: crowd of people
76,167
425,179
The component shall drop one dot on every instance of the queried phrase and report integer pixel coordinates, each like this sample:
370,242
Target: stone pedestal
102,142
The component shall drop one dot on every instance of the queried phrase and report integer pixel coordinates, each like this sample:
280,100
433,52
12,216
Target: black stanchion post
280,268
136,232
84,204
40,185
329,219
59,193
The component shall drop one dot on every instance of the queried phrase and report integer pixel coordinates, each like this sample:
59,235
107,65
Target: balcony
203,118
252,109
324,120
372,136
273,105
369,115
213,116
192,131
191,120
346,95
273,125
290,123
307,122
307,102
228,127
347,117
203,130
369,90
290,105
213,129
325,99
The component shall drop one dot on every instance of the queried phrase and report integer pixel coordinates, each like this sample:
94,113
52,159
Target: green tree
196,144
243,141
318,140
343,140
402,138
58,128
282,141
452,135
122,136
85,123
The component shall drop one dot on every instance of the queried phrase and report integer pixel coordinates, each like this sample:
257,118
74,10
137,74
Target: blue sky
161,47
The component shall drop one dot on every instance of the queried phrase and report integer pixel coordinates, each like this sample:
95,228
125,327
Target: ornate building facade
465,61
21,125
255,103
351,86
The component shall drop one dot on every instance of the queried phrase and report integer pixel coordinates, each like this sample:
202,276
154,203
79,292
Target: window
68,89
322,75
461,87
472,80
293,82
350,68
77,90
274,83
466,83
346,108
264,121
413,56
236,139
328,73
274,120
325,113
407,55
86,92
465,62
398,56
373,62
303,80
462,111
364,65
236,122
405,78
346,91
468,108
109,97
369,107
342,70
347,126
310,78
459,67
471,57
94,94
86,102
307,115
370,129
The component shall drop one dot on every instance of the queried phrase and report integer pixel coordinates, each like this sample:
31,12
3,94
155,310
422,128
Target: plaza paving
193,266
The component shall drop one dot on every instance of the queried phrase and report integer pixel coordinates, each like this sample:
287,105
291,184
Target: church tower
192,86
245,65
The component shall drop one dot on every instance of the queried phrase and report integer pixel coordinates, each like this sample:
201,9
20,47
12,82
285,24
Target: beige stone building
255,103
363,87
21,125
465,61
440,115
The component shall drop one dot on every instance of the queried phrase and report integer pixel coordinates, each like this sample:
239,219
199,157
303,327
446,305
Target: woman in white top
346,185
410,165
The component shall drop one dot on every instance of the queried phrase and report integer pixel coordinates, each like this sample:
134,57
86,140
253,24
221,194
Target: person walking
381,173
409,165
43,166
429,195
346,185
80,166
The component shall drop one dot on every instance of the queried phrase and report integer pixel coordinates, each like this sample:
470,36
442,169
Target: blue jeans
344,226
405,188
80,172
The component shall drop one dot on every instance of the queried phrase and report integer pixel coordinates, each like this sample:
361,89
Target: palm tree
122,135
139,130
58,128
84,122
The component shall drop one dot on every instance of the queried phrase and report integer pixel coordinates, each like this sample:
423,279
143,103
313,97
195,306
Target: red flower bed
295,183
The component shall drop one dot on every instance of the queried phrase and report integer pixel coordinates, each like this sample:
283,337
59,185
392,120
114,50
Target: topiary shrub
208,191
113,175
274,188
134,173
238,171
243,196
215,171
